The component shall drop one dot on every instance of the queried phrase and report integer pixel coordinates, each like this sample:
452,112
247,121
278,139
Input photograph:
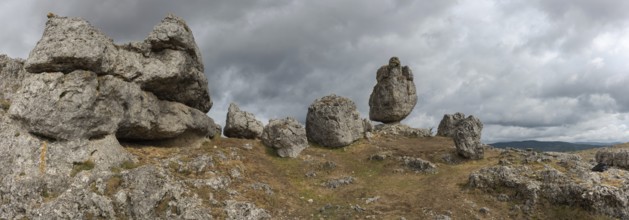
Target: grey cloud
524,67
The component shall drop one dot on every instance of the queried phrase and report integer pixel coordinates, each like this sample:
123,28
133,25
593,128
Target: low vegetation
382,188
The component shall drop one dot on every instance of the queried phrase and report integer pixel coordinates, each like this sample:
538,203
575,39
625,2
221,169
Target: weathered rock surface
401,130
394,96
614,157
285,135
11,76
241,124
168,64
82,105
447,126
243,210
575,185
333,121
467,138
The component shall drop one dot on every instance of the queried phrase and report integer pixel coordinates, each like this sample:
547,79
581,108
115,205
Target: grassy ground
395,190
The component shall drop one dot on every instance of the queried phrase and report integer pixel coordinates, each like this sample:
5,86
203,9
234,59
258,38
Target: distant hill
558,146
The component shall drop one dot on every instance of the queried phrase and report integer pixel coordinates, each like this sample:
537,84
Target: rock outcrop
394,96
241,124
74,98
614,157
401,130
285,135
447,126
571,183
167,64
81,85
467,138
333,121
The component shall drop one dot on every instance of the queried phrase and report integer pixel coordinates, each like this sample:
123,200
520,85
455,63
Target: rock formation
74,98
467,138
447,126
565,179
401,130
241,124
614,157
83,86
333,121
394,96
285,135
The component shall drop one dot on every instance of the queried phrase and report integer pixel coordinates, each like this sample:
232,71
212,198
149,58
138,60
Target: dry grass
401,191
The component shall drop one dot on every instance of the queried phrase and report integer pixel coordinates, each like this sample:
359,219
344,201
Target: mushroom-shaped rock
285,135
467,138
241,124
394,96
447,126
333,121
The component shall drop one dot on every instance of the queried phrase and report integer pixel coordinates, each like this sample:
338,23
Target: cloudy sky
529,69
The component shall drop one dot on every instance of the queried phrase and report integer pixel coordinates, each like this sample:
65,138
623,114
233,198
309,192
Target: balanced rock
333,121
394,96
285,135
241,124
448,125
80,85
467,138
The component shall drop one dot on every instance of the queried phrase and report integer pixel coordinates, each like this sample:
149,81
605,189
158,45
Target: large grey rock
168,63
614,157
394,96
11,76
70,44
65,107
81,105
241,124
285,135
448,125
148,118
333,121
467,138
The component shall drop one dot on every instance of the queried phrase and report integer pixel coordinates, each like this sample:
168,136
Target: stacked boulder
81,85
333,121
466,133
394,96
287,136
241,124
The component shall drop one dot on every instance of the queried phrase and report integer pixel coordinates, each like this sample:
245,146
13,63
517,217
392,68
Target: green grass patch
5,104
81,166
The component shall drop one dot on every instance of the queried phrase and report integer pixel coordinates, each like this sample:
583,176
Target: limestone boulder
394,96
241,124
401,130
333,121
448,125
168,63
287,136
467,138
65,106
